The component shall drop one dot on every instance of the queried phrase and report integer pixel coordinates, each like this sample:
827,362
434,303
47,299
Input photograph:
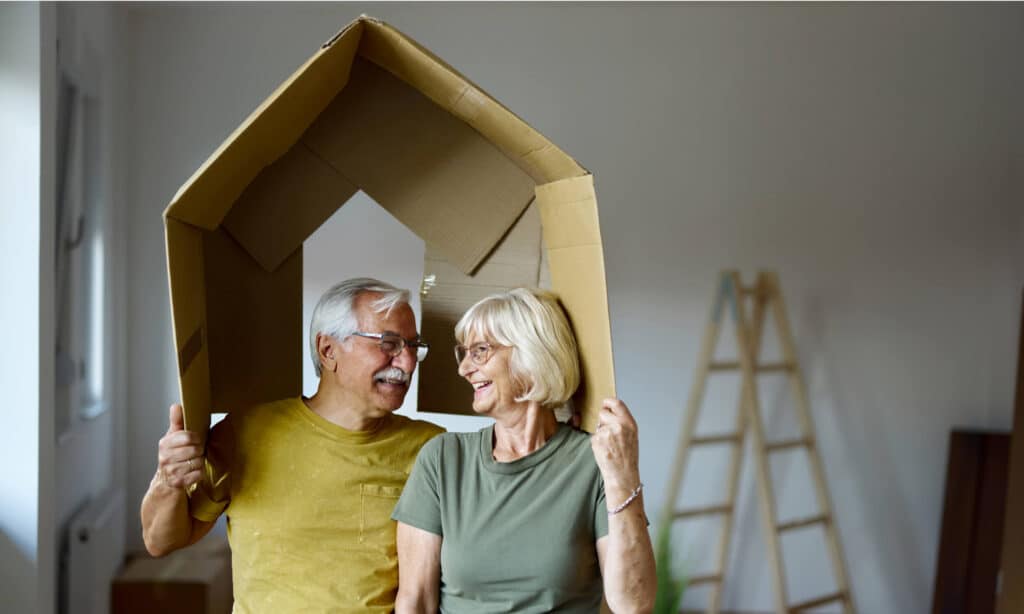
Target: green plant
671,584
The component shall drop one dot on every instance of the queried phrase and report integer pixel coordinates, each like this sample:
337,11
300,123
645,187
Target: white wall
863,151
46,479
89,460
19,272
27,554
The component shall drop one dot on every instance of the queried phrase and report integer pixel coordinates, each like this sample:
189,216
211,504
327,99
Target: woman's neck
522,432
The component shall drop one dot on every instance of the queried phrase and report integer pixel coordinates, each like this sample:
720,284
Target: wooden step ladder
765,295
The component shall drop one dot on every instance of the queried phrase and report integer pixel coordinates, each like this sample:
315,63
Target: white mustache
392,374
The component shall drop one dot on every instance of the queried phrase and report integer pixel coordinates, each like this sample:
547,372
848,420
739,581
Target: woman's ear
521,382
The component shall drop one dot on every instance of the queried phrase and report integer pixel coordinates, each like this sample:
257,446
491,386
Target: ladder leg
696,397
798,389
764,479
736,460
725,534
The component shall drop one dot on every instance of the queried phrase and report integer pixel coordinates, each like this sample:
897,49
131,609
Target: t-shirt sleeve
420,503
212,495
600,511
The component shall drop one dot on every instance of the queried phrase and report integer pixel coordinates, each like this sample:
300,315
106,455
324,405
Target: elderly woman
527,515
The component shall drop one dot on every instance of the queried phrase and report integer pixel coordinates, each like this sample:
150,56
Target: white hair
334,315
545,362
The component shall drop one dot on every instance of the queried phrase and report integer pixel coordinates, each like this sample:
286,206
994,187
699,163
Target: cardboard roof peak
278,132
371,110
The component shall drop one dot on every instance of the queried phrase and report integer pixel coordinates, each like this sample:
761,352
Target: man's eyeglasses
479,353
393,345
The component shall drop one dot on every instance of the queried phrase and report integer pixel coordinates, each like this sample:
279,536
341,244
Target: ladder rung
811,603
711,439
768,367
787,443
708,579
749,290
802,522
709,510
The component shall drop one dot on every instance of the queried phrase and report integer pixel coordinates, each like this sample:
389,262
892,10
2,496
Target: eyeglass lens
478,353
393,345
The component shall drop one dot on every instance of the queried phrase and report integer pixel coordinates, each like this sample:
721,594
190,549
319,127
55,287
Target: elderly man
308,484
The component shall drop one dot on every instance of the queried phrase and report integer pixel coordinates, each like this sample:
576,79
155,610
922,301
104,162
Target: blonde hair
545,360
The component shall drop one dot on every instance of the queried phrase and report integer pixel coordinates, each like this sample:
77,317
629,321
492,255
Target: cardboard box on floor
372,110
195,580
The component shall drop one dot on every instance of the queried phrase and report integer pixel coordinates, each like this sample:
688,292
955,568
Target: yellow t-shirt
309,506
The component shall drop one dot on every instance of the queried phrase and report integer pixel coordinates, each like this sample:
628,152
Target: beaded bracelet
633,495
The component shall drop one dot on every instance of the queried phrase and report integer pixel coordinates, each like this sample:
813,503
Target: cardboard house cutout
372,110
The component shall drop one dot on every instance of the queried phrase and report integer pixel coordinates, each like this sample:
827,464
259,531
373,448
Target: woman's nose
466,366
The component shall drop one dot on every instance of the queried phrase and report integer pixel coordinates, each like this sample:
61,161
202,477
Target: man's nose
406,359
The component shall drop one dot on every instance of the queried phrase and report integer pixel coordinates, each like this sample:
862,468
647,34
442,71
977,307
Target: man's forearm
166,523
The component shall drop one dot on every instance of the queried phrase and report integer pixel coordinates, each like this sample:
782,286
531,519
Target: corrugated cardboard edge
572,238
186,284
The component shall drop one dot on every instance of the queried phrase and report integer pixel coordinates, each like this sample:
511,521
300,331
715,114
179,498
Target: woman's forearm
419,570
630,581
409,602
627,558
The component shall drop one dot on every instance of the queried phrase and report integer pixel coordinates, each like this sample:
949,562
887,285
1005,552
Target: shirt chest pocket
376,529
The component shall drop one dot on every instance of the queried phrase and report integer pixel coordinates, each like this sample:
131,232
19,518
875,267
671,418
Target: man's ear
326,350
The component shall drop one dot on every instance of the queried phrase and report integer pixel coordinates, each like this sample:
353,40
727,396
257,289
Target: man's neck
336,407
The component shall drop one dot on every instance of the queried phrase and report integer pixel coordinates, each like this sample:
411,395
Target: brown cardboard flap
185,273
514,262
569,213
428,169
266,134
254,319
421,69
449,293
578,284
292,196
188,309
572,238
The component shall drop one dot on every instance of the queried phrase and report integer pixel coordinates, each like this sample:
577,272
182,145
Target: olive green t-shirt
308,505
518,536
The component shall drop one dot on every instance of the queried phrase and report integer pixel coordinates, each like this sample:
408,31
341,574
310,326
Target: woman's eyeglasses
479,353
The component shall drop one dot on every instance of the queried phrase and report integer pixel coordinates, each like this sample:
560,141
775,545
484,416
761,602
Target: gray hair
334,315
